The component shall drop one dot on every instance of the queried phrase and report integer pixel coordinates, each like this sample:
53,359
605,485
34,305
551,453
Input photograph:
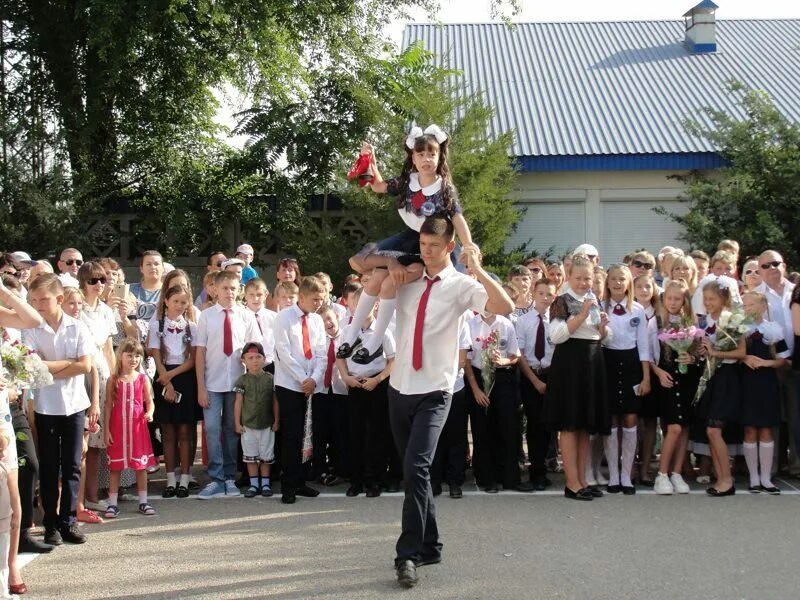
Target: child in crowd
627,360
576,401
66,346
673,389
370,439
246,254
255,297
175,389
701,261
683,267
520,277
222,332
723,264
534,343
767,352
210,290
129,408
286,293
599,278
256,416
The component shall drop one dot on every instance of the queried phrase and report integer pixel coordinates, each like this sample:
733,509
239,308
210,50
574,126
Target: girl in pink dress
129,408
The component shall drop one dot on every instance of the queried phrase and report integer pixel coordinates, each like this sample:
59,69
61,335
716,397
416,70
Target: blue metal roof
595,89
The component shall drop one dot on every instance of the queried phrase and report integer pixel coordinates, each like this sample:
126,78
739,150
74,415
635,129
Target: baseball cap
586,249
232,261
22,260
245,249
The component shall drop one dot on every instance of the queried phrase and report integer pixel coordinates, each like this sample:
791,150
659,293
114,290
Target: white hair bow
432,130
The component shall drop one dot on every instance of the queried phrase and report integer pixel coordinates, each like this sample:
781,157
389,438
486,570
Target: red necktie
227,339
538,349
416,355
306,337
619,310
329,368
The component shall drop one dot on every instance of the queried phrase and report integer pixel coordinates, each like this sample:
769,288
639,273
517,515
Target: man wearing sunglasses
68,264
778,291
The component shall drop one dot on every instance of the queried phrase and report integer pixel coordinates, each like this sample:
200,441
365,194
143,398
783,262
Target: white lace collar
428,190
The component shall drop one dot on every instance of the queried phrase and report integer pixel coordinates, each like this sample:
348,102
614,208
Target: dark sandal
183,492
169,492
147,509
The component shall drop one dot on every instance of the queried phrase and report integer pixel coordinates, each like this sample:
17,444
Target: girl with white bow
423,189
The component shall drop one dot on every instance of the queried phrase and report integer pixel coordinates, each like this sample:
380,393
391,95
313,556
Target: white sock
254,481
364,307
751,458
113,499
385,312
611,445
142,497
629,440
185,481
766,451
170,479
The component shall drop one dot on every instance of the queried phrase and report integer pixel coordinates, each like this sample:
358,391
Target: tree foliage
755,198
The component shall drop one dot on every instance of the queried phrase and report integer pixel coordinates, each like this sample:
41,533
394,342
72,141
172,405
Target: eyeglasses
751,272
96,280
642,265
73,261
774,264
219,263
286,259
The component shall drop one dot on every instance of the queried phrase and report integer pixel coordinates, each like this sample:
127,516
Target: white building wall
610,209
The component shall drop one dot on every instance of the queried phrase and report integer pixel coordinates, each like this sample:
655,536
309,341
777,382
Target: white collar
219,308
66,321
428,190
575,295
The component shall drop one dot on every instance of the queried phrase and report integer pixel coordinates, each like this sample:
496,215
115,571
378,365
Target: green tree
755,198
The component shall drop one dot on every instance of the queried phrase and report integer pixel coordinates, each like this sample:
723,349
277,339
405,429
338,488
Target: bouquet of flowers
23,368
730,328
680,337
488,345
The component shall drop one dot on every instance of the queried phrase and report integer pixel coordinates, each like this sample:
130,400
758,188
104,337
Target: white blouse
480,330
176,341
559,333
630,330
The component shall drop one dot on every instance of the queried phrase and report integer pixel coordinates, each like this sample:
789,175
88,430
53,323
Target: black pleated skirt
721,402
187,411
676,402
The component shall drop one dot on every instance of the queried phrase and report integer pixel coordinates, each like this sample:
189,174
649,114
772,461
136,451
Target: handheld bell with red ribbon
361,170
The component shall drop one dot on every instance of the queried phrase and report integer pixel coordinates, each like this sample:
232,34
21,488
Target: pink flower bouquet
680,339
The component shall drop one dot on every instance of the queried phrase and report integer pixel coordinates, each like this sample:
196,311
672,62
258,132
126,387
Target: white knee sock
629,439
751,458
766,451
385,313
364,307
611,445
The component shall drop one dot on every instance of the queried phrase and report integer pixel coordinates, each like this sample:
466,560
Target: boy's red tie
258,322
227,332
306,337
329,369
416,354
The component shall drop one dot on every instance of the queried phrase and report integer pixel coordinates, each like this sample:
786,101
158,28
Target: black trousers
495,432
450,461
417,421
60,448
329,425
28,464
537,436
372,454
292,406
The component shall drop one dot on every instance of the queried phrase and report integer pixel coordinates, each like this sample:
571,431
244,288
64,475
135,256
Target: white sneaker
100,505
662,485
678,483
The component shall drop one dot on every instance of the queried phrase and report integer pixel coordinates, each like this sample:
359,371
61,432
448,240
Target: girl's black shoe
579,495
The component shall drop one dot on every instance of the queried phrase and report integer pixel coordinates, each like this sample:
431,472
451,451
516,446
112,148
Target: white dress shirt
527,327
464,343
67,280
102,325
772,333
221,370
780,310
341,313
337,383
265,321
174,345
379,363
449,298
479,330
71,341
291,365
630,330
559,333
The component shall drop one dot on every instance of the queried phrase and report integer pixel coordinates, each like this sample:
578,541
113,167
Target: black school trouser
292,406
417,421
370,439
450,461
28,464
329,426
495,432
60,450
537,436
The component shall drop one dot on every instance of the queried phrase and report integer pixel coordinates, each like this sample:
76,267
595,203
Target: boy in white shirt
300,361
222,332
66,346
255,297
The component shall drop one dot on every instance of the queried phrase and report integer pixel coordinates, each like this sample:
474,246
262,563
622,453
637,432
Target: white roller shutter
632,224
550,224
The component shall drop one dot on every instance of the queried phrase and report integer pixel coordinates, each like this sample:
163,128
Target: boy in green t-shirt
255,414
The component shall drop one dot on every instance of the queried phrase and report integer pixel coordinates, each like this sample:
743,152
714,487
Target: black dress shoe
373,491
407,574
52,537
525,486
29,544
169,492
393,486
427,560
772,490
182,492
456,492
628,490
614,489
754,489
363,357
306,491
647,483
715,493
437,489
71,534
491,488
595,491
579,495
346,350
288,497
354,490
